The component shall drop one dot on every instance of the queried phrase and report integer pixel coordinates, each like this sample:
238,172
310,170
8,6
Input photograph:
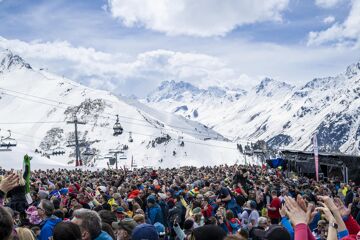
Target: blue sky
130,46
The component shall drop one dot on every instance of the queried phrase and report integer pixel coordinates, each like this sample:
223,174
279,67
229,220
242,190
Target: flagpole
316,156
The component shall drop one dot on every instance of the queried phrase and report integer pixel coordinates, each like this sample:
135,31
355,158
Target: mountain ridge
284,115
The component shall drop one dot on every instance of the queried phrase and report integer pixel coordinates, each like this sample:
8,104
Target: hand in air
9,182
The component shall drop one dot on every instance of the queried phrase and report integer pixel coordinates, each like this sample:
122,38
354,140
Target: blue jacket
104,236
165,211
48,226
155,214
314,222
287,225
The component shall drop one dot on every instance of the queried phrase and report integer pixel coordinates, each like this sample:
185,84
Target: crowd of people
187,203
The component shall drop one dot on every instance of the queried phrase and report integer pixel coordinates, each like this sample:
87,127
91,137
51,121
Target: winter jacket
155,214
165,211
175,213
208,212
48,226
287,225
352,226
134,193
17,199
302,232
233,225
104,236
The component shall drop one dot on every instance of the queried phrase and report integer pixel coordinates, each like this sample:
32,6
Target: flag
316,156
26,171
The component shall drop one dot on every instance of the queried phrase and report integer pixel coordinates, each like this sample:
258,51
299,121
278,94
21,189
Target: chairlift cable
109,114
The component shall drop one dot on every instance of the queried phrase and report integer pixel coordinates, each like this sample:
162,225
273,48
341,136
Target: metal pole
345,174
77,144
116,153
77,149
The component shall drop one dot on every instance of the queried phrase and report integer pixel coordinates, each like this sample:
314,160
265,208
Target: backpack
235,225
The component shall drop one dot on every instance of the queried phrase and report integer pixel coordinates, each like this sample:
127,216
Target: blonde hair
25,234
21,179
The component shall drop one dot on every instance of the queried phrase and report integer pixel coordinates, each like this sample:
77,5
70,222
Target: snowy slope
35,106
281,114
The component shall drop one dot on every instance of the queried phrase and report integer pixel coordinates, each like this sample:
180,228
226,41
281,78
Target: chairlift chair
181,141
70,144
47,153
88,151
118,130
125,147
130,137
8,142
112,161
58,151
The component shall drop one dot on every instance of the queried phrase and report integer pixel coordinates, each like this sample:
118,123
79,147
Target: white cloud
346,33
57,49
200,69
327,3
238,64
196,18
112,71
329,19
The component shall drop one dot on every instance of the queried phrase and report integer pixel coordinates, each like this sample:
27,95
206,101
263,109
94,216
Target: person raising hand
299,219
8,183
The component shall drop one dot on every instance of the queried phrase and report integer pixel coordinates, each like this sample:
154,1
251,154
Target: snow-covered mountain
281,114
36,105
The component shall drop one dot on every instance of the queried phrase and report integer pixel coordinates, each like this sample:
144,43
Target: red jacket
134,193
352,226
208,212
275,203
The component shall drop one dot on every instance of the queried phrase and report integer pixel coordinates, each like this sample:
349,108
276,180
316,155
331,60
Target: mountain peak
9,60
216,91
180,86
353,70
172,90
268,86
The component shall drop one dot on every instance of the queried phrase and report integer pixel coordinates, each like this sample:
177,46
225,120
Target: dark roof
334,154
